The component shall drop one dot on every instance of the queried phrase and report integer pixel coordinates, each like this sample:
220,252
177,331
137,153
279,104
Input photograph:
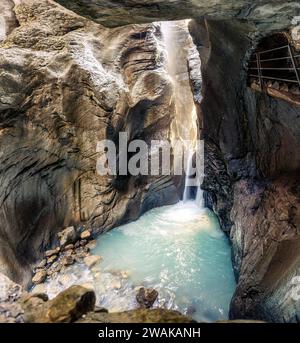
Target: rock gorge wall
267,14
65,84
252,173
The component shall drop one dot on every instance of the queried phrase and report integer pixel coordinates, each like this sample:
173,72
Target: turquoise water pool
180,251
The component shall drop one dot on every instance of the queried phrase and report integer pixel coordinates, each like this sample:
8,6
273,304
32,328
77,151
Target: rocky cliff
252,173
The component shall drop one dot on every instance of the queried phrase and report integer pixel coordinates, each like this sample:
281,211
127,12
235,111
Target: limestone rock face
266,254
67,83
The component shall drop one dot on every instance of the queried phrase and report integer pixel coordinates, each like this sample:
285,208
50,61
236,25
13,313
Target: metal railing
267,68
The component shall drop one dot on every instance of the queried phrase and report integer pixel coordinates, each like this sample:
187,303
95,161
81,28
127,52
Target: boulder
69,247
85,235
91,260
91,244
146,297
67,236
81,252
55,267
52,252
66,307
51,259
39,289
70,305
68,260
39,277
33,307
42,264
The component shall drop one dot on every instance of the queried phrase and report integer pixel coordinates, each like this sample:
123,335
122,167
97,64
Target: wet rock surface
146,297
267,254
91,260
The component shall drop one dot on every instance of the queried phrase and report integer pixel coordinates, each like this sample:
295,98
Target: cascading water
187,189
196,174
185,124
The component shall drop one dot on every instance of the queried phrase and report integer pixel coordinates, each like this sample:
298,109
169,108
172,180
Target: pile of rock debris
74,246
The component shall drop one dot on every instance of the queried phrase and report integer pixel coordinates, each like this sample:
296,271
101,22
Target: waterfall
187,189
199,197
188,194
177,45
